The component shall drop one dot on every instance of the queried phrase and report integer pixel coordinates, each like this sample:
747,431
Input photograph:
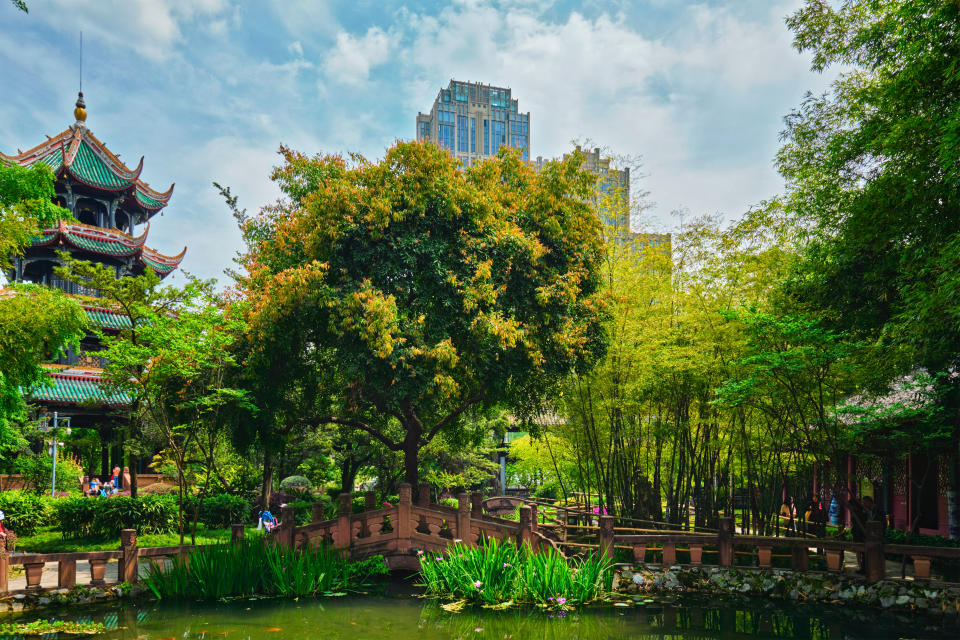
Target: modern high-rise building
612,183
473,120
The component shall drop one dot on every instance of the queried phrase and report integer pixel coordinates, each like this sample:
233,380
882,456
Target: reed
500,572
258,568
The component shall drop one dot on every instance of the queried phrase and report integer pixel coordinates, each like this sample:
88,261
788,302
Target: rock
887,601
626,575
44,600
637,578
20,597
744,587
676,568
902,600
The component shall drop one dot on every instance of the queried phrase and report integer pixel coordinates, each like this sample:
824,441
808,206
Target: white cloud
352,58
296,48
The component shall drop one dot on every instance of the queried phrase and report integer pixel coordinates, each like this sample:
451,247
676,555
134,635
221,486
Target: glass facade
463,138
446,129
473,135
486,137
499,135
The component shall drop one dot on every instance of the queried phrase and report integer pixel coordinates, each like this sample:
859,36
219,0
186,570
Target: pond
402,617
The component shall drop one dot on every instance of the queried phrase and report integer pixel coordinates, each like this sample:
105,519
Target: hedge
25,511
105,517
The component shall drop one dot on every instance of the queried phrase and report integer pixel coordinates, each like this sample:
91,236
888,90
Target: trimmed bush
219,511
295,481
25,511
105,517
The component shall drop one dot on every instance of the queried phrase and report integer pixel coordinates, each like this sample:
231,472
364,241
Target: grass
49,540
498,573
256,568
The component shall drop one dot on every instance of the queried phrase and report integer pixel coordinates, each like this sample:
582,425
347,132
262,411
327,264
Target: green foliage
25,511
103,518
399,294
256,568
51,628
295,481
37,472
500,572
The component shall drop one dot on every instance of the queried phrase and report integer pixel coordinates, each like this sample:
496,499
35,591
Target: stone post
476,504
127,569
606,536
799,558
66,573
236,533
669,554
317,515
423,494
874,562
533,517
85,485
402,528
344,531
463,518
725,542
288,526
526,527
125,479
34,573
369,500
98,569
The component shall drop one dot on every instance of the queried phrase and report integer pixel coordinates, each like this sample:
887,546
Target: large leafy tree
874,167
418,289
35,323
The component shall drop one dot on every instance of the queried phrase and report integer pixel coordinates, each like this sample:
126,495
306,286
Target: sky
208,90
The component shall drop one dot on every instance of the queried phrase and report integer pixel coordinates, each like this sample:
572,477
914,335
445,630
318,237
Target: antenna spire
80,110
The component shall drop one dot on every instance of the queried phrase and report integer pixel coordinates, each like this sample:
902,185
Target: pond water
406,618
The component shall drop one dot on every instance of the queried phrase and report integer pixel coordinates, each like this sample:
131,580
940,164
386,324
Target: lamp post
58,422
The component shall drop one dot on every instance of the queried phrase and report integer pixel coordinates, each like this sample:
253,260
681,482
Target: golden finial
80,112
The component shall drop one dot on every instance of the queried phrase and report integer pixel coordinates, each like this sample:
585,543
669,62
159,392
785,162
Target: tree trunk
267,487
134,463
411,469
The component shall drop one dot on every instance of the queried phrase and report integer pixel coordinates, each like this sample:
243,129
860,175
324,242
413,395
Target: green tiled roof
90,168
148,202
159,267
107,319
46,236
83,387
54,160
100,245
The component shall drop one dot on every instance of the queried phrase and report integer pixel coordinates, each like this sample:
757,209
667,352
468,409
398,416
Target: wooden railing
726,544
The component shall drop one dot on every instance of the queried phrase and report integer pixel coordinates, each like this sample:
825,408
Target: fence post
66,573
344,532
401,528
423,494
476,504
369,500
526,526
127,569
606,536
874,561
725,542
463,518
533,517
236,533
288,526
4,566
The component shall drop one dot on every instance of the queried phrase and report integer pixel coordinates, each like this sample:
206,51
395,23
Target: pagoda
109,203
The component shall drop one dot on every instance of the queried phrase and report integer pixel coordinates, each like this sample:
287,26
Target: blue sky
209,89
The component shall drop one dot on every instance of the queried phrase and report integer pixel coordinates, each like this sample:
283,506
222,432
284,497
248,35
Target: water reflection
407,618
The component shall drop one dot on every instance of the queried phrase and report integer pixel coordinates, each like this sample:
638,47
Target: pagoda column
113,213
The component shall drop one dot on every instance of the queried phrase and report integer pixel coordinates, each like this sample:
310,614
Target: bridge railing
400,531
726,545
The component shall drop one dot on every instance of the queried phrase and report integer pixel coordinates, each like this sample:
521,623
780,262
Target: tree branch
393,446
450,417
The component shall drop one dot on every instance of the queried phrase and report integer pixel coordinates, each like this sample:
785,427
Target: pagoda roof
77,153
78,386
108,242
106,318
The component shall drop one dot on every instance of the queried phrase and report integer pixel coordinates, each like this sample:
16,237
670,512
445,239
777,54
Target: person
3,531
115,480
94,486
789,513
267,521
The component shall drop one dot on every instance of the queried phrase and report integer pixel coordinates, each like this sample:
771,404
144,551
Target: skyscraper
612,183
473,120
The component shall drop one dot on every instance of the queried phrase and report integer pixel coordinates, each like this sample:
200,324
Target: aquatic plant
256,567
501,572
52,627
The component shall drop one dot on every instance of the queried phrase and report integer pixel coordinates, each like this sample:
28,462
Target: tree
35,323
419,289
137,299
873,166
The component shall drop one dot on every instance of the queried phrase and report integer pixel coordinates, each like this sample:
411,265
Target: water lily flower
457,540
561,601
478,584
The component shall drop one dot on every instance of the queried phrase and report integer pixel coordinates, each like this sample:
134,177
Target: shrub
104,518
37,471
25,511
219,511
252,567
296,481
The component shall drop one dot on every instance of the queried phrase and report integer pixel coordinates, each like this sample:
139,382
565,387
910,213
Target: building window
463,138
446,129
424,131
486,137
473,135
499,135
